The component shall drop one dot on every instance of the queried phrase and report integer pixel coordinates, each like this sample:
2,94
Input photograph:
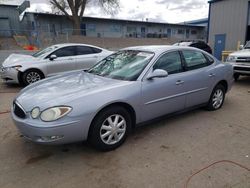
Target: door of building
5,27
219,45
143,32
83,29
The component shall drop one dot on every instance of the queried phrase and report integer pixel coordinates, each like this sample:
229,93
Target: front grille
242,68
243,59
18,111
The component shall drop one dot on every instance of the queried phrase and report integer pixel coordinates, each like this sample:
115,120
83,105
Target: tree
74,9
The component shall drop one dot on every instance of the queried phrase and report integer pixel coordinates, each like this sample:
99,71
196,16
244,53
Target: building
105,27
33,23
10,18
228,24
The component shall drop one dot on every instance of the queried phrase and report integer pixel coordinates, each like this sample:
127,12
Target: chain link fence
48,36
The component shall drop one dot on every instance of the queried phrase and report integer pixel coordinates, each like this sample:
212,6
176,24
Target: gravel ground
161,154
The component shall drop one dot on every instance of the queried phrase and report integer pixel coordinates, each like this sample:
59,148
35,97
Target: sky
170,11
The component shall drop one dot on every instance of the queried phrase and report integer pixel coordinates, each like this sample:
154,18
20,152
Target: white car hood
18,59
244,52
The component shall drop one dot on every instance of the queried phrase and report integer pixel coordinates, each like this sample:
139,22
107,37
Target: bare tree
74,9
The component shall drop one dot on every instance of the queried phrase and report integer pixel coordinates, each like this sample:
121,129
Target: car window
96,50
210,59
123,65
65,51
84,50
194,59
45,51
170,62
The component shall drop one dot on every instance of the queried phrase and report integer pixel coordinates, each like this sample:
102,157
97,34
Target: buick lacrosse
125,89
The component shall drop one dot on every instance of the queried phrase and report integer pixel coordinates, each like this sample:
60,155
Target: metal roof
112,19
214,1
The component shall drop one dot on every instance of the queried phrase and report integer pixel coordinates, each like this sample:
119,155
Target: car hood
60,90
244,52
18,59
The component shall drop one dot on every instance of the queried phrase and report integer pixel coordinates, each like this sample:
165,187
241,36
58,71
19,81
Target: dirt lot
161,154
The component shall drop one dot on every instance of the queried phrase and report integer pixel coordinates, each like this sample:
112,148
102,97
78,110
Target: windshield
123,65
247,46
44,51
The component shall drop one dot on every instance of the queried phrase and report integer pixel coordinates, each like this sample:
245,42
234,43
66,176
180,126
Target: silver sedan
54,60
132,86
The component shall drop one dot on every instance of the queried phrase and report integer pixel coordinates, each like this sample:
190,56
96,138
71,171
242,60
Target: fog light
51,138
35,112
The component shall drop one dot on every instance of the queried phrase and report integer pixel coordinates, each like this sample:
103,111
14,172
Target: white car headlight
55,113
35,112
231,58
17,67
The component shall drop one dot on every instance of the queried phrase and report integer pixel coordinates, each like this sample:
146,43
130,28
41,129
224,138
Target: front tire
31,76
236,77
110,128
217,98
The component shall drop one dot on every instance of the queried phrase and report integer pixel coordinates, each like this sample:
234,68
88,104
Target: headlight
231,58
17,67
55,113
35,112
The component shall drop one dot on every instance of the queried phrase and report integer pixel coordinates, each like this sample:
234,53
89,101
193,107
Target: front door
162,96
64,61
219,45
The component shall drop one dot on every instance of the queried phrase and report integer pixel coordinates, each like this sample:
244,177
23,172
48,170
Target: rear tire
31,76
110,128
217,98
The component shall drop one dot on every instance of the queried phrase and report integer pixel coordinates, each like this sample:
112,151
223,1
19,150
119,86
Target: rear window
194,59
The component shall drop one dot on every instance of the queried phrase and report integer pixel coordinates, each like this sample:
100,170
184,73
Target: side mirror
241,47
52,57
157,73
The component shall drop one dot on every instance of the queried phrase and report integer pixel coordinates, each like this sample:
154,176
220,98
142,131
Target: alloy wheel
217,98
113,129
33,77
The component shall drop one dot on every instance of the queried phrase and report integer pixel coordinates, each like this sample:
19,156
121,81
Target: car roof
157,48
74,44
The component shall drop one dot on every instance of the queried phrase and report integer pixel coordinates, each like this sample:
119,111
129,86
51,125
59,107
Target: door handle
211,75
179,82
95,56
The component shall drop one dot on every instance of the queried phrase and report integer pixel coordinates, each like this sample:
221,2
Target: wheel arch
125,105
224,84
20,73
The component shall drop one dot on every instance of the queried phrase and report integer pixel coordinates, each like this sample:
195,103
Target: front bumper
241,68
57,133
10,75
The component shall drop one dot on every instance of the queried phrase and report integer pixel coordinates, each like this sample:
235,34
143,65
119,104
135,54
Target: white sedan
56,59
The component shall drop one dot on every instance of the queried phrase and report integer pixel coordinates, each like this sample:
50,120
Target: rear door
199,77
87,56
64,62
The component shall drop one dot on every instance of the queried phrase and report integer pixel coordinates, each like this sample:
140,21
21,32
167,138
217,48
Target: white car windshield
44,51
123,65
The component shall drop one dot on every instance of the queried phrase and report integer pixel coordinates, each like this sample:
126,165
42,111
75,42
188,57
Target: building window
194,32
131,29
115,28
91,27
180,31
